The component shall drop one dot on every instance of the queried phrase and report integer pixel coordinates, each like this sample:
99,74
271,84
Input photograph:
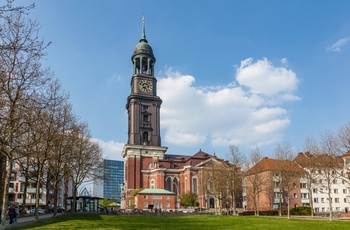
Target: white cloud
111,150
248,112
261,77
337,47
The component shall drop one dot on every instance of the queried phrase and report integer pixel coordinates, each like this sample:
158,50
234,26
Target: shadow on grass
66,218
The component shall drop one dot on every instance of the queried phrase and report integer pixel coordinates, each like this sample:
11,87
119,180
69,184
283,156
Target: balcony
277,201
33,190
305,200
21,179
29,201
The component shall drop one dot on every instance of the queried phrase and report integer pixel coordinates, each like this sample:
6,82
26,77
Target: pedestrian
15,216
11,212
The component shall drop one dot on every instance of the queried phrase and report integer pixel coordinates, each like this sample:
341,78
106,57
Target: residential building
326,179
269,184
322,182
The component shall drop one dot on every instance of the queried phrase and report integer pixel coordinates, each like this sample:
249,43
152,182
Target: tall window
194,185
152,184
175,186
168,184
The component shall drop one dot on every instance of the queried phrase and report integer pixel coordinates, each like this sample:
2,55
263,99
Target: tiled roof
347,154
267,164
155,191
308,160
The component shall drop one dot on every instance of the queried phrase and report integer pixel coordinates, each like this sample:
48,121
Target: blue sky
229,72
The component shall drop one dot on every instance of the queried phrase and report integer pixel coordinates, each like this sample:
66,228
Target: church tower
143,106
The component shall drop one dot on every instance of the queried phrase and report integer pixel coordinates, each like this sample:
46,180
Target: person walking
11,212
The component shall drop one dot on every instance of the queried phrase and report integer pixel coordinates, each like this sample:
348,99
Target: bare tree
330,163
87,161
62,148
8,7
310,148
287,172
21,76
256,182
214,178
344,138
237,160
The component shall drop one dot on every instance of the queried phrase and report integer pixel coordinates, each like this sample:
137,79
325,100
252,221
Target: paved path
28,219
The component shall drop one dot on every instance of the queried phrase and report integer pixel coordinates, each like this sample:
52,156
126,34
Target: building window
168,184
337,209
345,200
145,197
167,197
336,200
303,185
304,195
335,190
315,200
314,190
167,205
152,184
322,200
295,195
145,205
317,209
194,185
156,197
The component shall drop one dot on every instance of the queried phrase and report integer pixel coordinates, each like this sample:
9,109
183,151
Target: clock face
145,85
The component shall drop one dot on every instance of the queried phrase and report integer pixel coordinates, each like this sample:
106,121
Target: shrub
302,211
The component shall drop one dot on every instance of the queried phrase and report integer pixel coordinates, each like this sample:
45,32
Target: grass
190,222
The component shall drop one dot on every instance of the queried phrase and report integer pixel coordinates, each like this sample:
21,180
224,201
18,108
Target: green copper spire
143,35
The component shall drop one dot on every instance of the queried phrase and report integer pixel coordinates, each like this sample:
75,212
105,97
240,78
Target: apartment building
321,181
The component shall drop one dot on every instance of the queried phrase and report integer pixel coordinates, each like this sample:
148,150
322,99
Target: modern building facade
113,179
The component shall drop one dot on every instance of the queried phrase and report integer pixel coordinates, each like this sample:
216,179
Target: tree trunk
6,189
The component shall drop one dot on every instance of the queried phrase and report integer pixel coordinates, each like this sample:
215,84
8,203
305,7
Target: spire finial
143,35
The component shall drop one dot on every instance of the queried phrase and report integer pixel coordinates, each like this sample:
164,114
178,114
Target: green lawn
191,222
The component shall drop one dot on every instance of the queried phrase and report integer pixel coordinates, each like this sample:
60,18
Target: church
147,166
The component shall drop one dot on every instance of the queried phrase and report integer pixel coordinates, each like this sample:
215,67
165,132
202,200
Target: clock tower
143,106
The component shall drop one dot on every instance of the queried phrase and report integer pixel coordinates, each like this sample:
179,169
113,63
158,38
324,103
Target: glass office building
113,177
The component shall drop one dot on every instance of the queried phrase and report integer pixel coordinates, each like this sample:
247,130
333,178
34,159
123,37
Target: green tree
189,199
105,202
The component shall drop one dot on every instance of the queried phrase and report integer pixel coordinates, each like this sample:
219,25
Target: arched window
175,186
145,137
168,184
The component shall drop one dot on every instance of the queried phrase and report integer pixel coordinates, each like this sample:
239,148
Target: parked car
40,211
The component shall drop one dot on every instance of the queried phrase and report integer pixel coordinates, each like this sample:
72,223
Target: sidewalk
28,219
